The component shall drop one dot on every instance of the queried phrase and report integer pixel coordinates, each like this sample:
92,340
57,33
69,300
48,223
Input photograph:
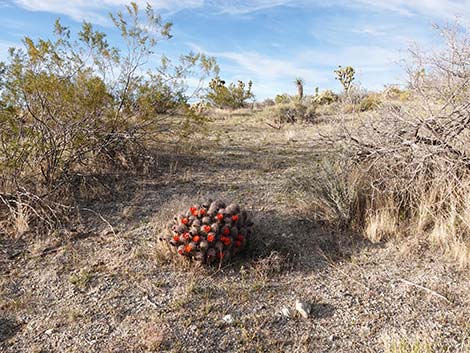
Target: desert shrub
326,97
417,157
371,102
282,98
268,102
209,232
292,112
233,96
76,105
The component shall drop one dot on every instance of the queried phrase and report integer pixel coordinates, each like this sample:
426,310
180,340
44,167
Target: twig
426,289
274,127
102,218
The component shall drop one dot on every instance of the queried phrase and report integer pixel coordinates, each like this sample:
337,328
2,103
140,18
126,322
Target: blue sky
269,42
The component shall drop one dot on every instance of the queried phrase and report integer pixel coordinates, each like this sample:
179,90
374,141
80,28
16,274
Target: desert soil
109,287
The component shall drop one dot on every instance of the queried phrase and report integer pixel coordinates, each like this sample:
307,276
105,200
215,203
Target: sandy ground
111,288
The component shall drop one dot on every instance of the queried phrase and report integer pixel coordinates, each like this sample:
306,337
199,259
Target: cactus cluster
209,232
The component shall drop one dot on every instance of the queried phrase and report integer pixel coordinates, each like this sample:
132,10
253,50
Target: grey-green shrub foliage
233,96
68,103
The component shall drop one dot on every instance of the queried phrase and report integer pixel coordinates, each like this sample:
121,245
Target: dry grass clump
292,112
396,344
405,170
359,197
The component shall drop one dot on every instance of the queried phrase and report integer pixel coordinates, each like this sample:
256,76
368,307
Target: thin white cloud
96,11
85,9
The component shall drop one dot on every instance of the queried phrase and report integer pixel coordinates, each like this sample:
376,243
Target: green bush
282,99
72,105
233,96
326,97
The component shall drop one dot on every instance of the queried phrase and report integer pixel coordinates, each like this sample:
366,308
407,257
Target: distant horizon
268,42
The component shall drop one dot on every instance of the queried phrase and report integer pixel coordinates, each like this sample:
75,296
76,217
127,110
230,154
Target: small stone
49,332
303,308
228,319
285,312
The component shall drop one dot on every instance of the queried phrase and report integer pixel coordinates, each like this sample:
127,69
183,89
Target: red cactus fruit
226,240
220,216
185,220
186,236
238,244
235,218
206,228
196,239
210,237
240,237
176,238
226,231
181,249
188,249
192,209
202,212
195,213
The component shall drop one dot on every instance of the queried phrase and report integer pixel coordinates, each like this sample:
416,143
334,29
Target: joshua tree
300,88
345,75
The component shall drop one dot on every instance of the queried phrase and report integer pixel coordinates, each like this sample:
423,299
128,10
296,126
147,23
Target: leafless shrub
416,155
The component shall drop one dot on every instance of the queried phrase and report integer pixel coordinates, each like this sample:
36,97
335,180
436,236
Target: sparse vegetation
416,156
77,106
233,96
97,155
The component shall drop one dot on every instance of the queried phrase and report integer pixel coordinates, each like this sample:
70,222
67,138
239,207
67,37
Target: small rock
228,319
49,332
285,312
303,308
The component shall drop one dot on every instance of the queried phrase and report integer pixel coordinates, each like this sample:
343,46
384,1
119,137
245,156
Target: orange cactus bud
194,213
192,209
206,228
235,218
176,238
186,236
196,239
202,212
185,221
188,248
210,237
220,216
